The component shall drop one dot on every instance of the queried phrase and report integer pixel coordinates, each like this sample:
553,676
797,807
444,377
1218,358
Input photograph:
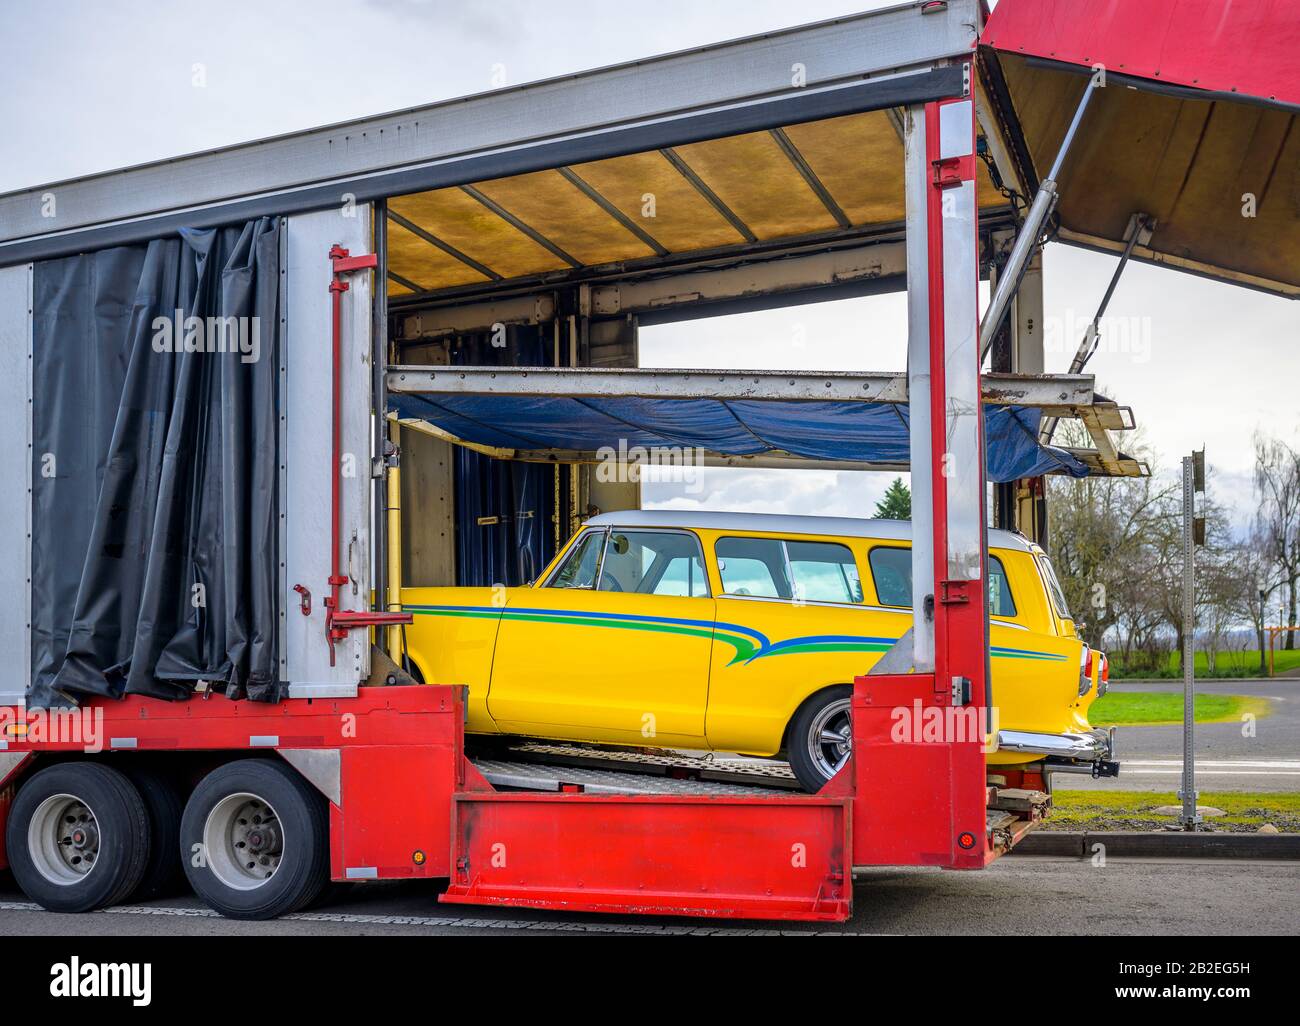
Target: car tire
164,871
77,837
813,757
255,840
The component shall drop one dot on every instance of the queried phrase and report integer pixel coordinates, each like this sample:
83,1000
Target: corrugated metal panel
423,264
753,177
860,161
466,224
558,210
682,220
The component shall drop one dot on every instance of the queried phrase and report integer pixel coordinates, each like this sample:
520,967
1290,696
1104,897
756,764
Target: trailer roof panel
824,179
1195,127
897,54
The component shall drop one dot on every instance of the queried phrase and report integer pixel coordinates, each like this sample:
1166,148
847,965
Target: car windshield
582,564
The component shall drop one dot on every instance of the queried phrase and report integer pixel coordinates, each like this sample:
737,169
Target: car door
613,646
791,620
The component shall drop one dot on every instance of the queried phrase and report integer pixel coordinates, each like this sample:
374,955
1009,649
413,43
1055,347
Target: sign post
1193,535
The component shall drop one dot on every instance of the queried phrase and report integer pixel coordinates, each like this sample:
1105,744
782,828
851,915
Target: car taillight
1085,670
1104,683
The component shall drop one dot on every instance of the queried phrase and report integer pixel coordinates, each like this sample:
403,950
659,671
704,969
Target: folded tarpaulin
857,432
154,510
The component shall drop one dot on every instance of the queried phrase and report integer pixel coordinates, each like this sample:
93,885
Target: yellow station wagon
741,633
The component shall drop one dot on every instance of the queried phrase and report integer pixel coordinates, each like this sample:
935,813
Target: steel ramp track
545,776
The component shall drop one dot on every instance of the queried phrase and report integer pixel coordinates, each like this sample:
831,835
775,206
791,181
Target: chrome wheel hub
830,738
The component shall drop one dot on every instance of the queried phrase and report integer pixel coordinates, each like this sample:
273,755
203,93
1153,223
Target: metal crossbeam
1061,395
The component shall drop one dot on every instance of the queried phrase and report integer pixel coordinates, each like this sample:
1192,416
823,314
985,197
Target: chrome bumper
1093,746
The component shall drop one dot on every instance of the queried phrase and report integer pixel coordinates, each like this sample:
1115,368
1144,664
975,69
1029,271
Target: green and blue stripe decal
747,644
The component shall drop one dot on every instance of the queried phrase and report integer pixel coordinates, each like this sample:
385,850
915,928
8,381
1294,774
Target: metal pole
1187,793
379,403
1026,242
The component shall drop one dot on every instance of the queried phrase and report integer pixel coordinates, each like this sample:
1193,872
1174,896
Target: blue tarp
852,431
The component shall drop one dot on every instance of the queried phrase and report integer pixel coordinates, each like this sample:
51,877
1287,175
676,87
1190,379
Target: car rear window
1054,587
891,570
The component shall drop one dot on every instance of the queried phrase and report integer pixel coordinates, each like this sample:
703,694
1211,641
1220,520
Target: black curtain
154,468
504,508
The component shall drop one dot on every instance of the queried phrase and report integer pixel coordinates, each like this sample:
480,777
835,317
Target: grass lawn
1150,709
1229,664
1134,810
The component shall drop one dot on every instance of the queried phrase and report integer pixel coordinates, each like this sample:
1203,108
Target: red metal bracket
345,263
951,172
954,593
305,598
338,621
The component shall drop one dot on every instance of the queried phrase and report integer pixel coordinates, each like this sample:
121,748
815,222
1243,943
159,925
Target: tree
1104,547
897,503
1255,573
1277,485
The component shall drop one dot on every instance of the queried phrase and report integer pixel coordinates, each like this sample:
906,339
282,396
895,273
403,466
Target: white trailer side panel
16,473
307,454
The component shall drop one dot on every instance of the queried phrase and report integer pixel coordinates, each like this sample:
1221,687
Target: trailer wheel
255,840
77,837
164,871
821,737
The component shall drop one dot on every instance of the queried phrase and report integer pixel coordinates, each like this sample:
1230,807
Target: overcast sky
92,86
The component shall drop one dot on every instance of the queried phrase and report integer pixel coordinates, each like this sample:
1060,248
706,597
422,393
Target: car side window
752,567
1000,601
582,565
683,576
802,570
891,569
654,563
824,572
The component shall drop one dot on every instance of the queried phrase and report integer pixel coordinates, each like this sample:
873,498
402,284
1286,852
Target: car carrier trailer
881,151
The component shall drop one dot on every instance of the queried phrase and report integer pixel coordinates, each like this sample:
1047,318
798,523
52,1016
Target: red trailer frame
406,803
781,857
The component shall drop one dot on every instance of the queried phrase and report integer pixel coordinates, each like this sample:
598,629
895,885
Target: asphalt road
1015,896
1151,758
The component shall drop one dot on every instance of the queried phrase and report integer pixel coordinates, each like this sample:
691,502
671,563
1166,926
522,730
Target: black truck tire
77,837
255,840
164,872
814,757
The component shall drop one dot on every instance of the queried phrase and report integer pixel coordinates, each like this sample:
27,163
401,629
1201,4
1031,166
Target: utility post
1193,535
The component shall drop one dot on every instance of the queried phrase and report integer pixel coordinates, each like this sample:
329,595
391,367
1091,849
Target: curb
1161,844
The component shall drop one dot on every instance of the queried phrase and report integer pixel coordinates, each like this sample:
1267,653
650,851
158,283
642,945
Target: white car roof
781,523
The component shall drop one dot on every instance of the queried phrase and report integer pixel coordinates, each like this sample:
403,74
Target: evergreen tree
897,503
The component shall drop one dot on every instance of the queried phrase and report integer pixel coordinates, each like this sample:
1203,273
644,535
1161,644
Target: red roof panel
1249,47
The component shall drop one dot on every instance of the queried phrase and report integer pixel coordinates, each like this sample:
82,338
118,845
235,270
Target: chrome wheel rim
243,840
830,738
63,839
